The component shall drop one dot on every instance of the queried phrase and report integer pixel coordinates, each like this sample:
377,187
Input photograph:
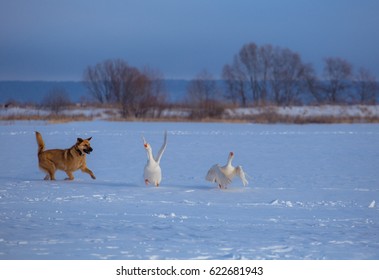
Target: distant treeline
256,76
275,75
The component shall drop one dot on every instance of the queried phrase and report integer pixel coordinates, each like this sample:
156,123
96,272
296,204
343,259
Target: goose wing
161,151
241,174
215,175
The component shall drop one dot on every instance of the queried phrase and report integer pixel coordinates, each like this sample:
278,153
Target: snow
325,111
311,193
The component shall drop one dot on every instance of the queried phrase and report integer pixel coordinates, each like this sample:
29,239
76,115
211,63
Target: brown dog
68,160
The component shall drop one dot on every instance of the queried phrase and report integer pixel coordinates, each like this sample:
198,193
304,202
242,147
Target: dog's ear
89,139
79,140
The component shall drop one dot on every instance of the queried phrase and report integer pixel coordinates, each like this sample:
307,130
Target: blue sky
56,40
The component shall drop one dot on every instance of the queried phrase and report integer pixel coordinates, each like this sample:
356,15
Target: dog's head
84,146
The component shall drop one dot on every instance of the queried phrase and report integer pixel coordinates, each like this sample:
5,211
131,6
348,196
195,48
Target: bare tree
56,100
266,54
338,74
235,80
231,83
102,80
137,94
202,94
201,89
313,84
114,81
133,91
249,58
366,86
158,91
289,78
269,73
257,64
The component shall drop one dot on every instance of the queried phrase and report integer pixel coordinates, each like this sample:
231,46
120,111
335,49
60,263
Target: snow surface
334,111
312,193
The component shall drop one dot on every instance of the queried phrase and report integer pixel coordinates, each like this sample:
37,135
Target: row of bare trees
257,75
274,75
134,91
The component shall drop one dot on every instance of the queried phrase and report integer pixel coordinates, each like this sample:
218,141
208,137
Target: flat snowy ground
312,194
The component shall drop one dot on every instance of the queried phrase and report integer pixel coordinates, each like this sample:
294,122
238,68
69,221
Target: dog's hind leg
52,174
49,168
49,174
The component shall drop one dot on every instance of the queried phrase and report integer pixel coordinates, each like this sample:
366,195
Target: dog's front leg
88,171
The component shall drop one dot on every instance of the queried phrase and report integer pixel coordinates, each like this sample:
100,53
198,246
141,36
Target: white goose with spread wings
152,173
223,175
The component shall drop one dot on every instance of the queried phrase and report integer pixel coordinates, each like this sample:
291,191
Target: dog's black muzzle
88,151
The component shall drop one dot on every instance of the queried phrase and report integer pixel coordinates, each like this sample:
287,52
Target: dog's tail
41,144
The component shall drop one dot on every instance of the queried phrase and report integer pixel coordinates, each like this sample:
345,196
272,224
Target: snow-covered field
334,112
331,111
313,193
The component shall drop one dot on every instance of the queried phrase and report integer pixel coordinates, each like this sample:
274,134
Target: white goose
152,173
223,175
